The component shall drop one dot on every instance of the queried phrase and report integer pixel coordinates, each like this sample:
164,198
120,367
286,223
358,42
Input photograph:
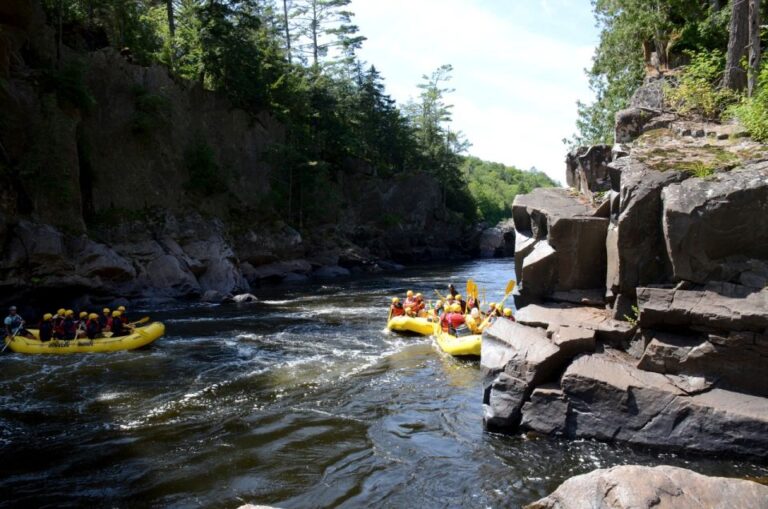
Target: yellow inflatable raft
458,346
414,325
140,337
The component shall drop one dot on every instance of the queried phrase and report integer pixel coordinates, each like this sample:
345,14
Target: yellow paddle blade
469,287
510,286
139,322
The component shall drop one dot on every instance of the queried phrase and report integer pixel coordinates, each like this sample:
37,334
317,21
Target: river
300,401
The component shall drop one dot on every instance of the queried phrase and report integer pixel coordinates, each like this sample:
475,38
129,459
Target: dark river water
300,401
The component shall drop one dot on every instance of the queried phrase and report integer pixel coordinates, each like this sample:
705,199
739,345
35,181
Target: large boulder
586,169
580,246
710,221
531,211
514,360
661,487
717,306
553,316
610,399
635,249
491,240
736,361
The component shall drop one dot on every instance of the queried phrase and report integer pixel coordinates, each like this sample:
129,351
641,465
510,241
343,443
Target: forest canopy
647,37
298,60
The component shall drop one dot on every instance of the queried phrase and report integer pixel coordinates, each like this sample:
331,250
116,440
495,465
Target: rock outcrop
661,487
102,190
658,255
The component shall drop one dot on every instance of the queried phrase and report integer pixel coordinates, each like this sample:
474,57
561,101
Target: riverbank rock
661,487
736,360
709,224
610,399
515,359
715,306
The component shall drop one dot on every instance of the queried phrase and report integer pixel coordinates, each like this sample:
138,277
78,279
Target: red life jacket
397,311
456,320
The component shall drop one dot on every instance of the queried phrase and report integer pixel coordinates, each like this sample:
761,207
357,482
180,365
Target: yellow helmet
105,310
409,293
408,309
121,309
47,316
449,297
492,305
507,312
93,316
69,312
116,313
395,300
458,296
498,307
446,306
456,308
418,296
83,314
61,311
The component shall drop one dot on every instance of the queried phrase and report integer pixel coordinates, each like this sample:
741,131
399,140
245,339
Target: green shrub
152,111
752,112
205,176
69,86
698,91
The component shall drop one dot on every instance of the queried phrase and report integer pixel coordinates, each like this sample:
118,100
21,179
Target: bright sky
518,68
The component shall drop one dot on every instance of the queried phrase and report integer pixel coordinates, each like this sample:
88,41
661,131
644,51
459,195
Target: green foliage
627,28
633,318
153,111
493,186
205,176
752,112
68,85
698,90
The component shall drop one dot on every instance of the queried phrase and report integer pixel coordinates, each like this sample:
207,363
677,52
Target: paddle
12,337
131,325
469,288
507,292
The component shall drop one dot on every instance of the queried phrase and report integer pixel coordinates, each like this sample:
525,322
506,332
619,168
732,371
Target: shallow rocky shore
643,294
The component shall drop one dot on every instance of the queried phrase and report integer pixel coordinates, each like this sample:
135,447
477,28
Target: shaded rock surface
515,359
661,487
610,399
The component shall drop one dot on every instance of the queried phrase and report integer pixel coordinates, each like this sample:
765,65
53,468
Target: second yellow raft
458,346
141,336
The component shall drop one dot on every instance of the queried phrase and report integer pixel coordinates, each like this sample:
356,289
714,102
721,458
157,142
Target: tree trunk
315,27
754,45
171,22
60,24
287,31
735,74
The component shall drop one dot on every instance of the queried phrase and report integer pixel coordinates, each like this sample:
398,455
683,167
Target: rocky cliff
120,180
643,299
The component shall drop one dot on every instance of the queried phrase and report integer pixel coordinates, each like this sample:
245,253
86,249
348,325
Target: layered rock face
656,264
103,194
662,487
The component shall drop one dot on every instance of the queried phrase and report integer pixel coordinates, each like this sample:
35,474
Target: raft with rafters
141,336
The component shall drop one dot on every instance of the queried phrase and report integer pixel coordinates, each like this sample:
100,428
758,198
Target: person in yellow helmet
123,316
46,327
491,309
104,318
409,311
410,302
396,309
58,324
82,318
508,314
93,326
473,321
69,325
116,324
